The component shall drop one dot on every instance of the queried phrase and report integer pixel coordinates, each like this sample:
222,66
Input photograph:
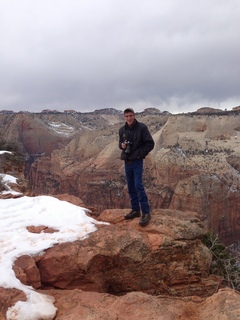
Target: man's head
129,116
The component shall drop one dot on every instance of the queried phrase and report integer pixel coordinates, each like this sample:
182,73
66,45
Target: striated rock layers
194,166
123,270
31,134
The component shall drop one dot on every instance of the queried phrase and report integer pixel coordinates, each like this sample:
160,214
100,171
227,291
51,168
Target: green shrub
225,261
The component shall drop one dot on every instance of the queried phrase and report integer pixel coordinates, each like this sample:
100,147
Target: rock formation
78,304
194,165
122,270
164,258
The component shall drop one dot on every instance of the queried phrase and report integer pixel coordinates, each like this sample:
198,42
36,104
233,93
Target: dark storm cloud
174,55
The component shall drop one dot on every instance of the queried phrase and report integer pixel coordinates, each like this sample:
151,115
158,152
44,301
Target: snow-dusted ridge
61,128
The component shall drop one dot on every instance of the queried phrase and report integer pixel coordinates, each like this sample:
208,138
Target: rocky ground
122,270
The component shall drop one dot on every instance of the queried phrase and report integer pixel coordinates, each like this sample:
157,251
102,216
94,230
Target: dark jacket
141,141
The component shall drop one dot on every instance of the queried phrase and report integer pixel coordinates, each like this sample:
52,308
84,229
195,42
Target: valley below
192,178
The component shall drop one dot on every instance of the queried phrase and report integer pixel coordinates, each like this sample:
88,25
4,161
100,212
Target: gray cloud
84,55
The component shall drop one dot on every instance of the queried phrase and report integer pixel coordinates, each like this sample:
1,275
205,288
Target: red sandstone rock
27,272
166,257
165,260
77,304
8,297
39,229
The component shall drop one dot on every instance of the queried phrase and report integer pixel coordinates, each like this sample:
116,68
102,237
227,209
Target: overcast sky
90,54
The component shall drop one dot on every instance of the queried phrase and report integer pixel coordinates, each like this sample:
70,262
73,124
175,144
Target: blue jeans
138,197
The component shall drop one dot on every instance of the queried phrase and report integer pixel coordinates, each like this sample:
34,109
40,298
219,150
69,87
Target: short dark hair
128,110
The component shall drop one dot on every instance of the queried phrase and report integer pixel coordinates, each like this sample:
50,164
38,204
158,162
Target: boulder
166,257
124,271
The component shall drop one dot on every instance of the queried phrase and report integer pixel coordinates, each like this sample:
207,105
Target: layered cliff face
194,165
199,158
121,270
41,133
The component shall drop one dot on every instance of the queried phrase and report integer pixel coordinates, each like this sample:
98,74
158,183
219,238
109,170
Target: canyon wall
194,166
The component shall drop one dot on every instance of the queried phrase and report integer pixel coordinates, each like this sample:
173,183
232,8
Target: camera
128,148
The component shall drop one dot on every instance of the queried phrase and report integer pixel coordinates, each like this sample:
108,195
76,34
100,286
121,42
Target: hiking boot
131,215
145,219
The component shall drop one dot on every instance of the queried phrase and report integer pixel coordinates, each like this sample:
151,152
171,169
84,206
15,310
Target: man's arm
120,139
148,143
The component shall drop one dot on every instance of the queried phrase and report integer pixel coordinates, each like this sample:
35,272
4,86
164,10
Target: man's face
129,118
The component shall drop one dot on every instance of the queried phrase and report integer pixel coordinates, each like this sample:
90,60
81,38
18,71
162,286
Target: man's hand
124,145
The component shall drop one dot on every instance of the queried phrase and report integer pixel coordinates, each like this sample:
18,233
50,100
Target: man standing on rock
136,142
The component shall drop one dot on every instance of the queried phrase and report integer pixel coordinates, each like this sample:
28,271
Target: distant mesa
110,111
149,111
236,108
208,110
50,111
6,111
70,111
